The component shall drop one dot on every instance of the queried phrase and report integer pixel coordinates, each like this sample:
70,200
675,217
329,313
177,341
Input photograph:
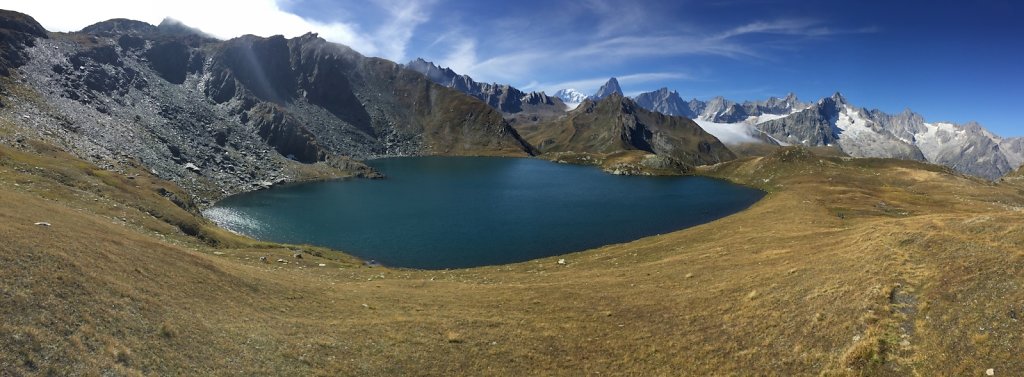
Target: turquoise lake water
452,212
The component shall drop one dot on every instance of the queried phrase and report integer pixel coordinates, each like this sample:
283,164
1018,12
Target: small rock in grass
561,261
990,372
281,261
42,223
297,255
322,265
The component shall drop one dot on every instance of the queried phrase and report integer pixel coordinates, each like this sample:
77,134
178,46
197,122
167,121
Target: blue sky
948,60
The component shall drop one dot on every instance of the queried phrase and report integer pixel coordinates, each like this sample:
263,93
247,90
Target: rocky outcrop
281,131
17,31
170,59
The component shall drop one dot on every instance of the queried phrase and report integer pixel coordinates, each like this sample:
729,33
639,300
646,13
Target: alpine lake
455,212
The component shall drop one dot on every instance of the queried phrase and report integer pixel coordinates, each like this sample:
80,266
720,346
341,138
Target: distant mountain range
831,121
503,97
859,132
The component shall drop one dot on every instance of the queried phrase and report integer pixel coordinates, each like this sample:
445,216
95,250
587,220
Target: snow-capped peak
571,97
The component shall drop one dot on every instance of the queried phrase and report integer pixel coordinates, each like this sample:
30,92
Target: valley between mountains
886,245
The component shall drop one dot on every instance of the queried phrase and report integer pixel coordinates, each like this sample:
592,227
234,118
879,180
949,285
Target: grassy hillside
847,267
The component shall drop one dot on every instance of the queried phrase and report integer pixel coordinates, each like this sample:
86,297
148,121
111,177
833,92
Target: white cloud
597,51
231,18
462,58
729,133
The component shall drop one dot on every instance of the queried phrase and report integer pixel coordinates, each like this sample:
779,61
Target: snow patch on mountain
571,97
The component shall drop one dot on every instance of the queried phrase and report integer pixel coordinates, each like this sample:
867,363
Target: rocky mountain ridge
857,131
860,132
503,97
221,117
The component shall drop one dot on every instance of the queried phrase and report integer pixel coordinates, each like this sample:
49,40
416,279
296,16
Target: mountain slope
616,123
17,31
221,117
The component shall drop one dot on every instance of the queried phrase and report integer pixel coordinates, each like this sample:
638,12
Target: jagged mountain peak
420,62
609,87
669,102
503,97
666,91
839,99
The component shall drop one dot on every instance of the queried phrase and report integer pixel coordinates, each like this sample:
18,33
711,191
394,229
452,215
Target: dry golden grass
847,267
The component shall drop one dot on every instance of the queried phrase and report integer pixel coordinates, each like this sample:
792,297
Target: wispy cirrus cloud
589,85
599,48
792,27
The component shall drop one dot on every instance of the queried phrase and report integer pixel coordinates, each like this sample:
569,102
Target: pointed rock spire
610,87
